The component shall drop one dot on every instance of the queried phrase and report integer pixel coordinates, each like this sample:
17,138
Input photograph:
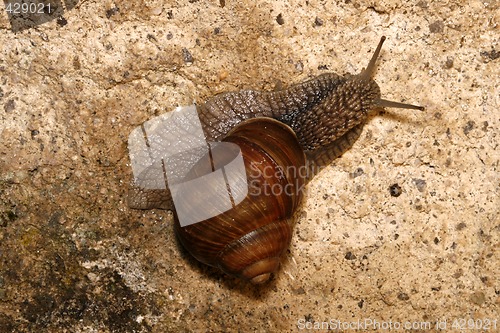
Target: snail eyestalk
370,69
367,73
383,103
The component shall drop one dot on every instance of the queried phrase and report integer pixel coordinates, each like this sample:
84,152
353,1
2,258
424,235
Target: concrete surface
75,258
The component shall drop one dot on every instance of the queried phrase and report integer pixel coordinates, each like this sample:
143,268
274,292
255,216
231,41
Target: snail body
303,127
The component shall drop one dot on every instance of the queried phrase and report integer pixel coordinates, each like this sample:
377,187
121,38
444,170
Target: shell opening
260,271
260,279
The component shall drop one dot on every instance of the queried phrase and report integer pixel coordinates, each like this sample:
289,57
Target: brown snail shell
320,118
248,240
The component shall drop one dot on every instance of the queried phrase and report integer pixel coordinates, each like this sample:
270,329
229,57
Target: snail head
372,90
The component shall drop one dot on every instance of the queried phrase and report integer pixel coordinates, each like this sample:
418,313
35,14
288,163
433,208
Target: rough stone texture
75,258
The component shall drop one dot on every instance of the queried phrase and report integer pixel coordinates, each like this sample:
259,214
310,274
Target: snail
279,133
